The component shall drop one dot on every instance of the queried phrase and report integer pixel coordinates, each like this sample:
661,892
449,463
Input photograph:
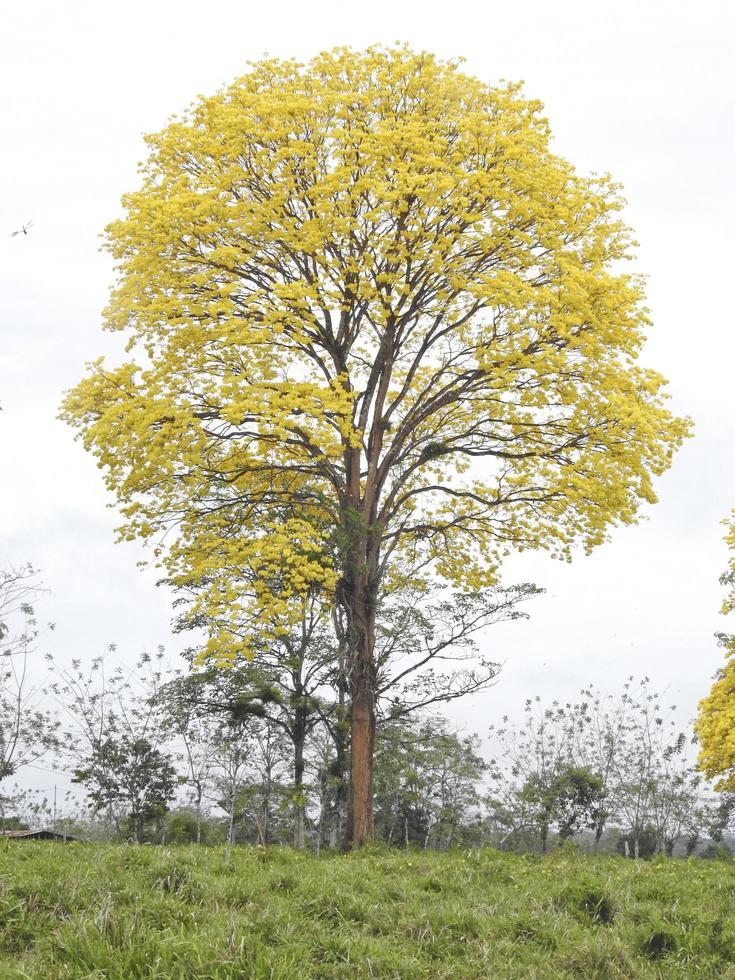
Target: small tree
532,757
630,755
232,750
115,735
130,779
193,728
677,805
27,730
267,799
289,686
427,782
571,802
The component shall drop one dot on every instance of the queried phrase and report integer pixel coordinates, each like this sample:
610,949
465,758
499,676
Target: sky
642,90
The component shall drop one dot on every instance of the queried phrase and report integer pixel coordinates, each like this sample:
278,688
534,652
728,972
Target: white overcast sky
642,89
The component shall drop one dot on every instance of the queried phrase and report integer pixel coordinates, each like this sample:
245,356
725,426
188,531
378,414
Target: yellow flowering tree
375,323
716,722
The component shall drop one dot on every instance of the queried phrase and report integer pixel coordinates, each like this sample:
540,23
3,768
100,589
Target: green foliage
426,783
12,822
132,774
605,760
572,800
181,827
27,731
125,912
717,852
646,839
576,797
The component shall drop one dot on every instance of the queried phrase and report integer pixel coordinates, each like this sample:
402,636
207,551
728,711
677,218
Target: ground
122,912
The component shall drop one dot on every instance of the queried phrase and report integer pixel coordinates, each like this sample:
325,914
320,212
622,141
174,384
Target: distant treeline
260,752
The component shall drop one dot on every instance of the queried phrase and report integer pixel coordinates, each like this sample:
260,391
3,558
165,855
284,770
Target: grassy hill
94,911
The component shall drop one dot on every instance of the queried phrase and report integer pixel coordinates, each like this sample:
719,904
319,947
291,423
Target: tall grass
99,911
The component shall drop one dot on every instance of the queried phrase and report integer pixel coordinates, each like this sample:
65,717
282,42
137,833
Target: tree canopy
376,325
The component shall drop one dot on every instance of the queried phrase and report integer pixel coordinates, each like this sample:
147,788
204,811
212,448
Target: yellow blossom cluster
372,318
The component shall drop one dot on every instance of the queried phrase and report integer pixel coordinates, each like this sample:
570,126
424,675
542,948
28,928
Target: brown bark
359,601
359,514
360,828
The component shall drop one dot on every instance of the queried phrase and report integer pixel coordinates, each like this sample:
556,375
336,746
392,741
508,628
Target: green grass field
124,912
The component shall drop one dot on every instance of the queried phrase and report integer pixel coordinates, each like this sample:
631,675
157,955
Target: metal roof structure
36,835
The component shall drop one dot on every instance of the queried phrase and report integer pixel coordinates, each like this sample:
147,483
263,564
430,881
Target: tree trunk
359,588
299,737
231,828
298,827
341,734
599,829
199,813
267,794
334,783
362,752
359,602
